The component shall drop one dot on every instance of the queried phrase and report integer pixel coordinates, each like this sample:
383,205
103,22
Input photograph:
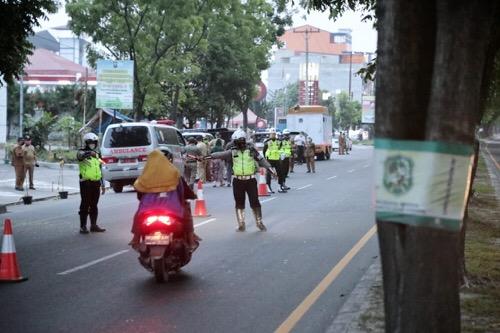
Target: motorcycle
163,247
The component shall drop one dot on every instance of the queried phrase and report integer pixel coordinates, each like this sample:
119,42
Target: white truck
315,121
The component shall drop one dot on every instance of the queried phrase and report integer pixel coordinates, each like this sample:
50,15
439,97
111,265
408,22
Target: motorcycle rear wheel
160,271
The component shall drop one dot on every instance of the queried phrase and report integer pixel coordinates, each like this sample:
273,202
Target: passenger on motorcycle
161,186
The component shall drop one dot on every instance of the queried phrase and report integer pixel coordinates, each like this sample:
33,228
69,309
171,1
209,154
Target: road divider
309,301
92,263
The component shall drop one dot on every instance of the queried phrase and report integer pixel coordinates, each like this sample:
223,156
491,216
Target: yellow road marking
309,301
492,158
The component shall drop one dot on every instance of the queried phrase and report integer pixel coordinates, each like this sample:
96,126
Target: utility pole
306,33
350,74
85,96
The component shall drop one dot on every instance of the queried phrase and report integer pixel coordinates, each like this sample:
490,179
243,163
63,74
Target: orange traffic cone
262,183
9,269
200,209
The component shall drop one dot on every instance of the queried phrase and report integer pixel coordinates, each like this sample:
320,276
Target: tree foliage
39,129
348,112
18,20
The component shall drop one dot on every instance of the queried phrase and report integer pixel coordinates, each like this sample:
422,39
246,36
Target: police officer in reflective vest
243,157
91,183
272,152
286,148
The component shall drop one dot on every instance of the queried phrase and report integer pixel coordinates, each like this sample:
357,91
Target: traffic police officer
272,152
91,183
243,157
286,148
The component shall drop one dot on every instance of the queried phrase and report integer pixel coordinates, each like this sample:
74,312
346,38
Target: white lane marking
303,187
366,165
267,200
332,177
94,262
352,170
204,222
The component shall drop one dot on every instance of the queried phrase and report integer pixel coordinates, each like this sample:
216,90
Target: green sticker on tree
422,183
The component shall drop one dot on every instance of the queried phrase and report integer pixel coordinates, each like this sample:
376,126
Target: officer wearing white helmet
272,152
243,156
91,183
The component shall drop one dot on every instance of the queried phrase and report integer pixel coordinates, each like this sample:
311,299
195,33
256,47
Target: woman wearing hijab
161,186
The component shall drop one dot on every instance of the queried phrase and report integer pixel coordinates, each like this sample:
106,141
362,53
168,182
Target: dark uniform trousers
248,186
89,192
280,172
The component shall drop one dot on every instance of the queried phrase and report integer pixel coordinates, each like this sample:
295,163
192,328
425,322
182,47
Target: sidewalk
47,182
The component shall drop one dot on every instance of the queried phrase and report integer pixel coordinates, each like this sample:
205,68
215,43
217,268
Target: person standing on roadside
244,157
91,183
310,152
341,144
29,160
202,164
17,162
286,148
190,167
300,142
217,165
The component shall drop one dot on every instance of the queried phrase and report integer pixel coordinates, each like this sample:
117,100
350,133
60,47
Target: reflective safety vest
243,163
286,148
273,150
90,169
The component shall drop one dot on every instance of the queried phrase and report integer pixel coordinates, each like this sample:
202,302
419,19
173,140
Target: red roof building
47,68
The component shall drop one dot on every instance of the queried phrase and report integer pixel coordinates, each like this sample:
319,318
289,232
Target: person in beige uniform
18,163
309,153
29,159
202,164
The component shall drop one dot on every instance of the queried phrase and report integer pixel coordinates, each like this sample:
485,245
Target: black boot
93,225
83,224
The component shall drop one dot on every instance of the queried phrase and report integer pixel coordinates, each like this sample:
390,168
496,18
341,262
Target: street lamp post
21,106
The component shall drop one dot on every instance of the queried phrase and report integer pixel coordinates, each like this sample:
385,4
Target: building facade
331,62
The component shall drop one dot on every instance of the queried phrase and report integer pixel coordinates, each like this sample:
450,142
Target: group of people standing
24,162
197,168
282,153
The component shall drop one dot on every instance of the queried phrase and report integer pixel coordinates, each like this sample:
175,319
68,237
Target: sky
364,37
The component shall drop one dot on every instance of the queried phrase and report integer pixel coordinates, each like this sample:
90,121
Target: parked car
198,135
125,148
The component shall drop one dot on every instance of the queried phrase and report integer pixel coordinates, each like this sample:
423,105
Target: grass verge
480,300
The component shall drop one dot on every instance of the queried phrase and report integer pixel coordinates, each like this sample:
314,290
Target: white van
125,148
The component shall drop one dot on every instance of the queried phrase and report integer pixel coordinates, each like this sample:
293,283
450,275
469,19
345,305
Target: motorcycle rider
243,157
91,180
161,185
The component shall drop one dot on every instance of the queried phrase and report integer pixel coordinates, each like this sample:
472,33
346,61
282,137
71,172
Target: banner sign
422,183
368,109
115,84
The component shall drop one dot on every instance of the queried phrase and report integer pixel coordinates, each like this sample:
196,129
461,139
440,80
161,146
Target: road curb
348,317
56,165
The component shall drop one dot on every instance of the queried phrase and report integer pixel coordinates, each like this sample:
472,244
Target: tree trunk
245,117
138,113
431,58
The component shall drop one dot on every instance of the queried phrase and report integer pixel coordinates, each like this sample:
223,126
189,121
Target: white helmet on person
286,131
90,137
272,130
239,134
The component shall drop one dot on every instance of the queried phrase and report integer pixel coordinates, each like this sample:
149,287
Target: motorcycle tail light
158,218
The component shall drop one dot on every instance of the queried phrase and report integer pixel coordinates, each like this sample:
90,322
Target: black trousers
300,154
89,193
286,166
240,187
280,172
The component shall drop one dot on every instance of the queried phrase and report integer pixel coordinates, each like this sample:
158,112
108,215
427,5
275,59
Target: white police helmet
272,130
238,135
90,137
286,131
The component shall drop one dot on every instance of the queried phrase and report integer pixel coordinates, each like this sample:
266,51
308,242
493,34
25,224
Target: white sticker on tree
422,183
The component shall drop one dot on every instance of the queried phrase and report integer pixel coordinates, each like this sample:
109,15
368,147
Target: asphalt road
236,282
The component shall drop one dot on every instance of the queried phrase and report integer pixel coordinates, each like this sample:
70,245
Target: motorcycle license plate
158,239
